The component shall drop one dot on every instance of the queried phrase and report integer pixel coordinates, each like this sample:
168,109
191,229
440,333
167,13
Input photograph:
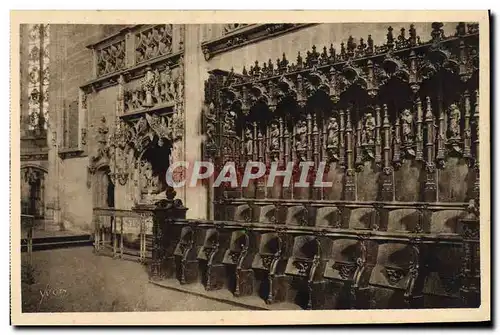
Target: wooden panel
408,181
367,182
454,181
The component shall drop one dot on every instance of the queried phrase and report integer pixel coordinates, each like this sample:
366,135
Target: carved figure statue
454,127
301,138
248,141
229,122
146,177
148,42
167,85
141,126
369,128
407,125
162,47
333,131
210,130
275,133
136,100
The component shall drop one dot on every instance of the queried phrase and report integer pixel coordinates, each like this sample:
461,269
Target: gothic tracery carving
111,58
155,88
153,42
362,120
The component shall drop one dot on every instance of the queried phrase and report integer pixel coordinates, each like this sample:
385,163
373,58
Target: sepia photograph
175,165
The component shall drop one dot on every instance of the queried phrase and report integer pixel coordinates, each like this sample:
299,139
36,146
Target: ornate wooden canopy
406,99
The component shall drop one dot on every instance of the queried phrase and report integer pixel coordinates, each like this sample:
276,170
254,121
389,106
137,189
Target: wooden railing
110,227
28,226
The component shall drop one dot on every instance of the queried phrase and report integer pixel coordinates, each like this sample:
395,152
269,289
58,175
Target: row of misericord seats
325,258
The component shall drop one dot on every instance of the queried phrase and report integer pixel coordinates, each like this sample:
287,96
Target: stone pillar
194,76
55,129
24,77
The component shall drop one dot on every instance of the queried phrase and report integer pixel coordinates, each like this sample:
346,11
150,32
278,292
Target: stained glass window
38,69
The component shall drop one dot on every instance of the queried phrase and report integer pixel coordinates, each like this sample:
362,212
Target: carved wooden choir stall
397,126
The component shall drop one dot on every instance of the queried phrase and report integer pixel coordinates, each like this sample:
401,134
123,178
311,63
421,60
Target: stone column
55,129
24,76
194,77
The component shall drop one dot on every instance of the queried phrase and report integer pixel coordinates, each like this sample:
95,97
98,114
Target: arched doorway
152,167
104,197
104,189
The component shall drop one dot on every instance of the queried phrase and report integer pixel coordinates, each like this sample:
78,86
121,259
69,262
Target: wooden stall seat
306,265
266,213
328,216
447,221
348,271
396,279
186,253
271,258
443,281
211,255
405,220
362,218
297,216
239,259
243,213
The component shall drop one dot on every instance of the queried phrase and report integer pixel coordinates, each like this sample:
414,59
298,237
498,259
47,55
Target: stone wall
71,65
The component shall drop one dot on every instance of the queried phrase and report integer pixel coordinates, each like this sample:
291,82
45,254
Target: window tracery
38,70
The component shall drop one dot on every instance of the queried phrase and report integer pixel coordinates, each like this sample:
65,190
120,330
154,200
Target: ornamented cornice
137,71
35,156
247,35
403,61
70,153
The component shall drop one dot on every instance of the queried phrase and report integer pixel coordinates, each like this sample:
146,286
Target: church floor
76,280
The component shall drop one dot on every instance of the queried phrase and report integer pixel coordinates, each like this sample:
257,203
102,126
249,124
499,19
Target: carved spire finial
369,41
437,33
324,54
256,69
386,114
461,29
299,61
390,38
283,64
351,46
332,53
342,50
312,57
413,35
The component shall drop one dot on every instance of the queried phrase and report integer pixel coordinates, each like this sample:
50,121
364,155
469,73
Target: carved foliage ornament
32,175
415,129
156,87
111,58
153,42
349,61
